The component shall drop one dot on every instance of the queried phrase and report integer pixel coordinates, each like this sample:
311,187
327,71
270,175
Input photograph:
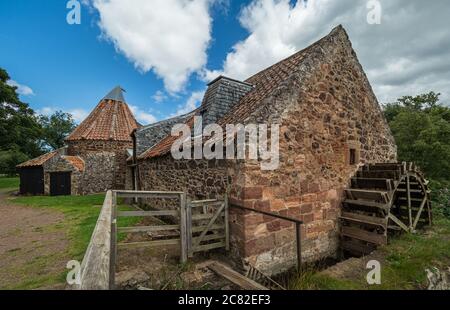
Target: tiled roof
110,120
39,161
76,161
264,82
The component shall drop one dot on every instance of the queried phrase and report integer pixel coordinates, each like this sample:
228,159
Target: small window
352,157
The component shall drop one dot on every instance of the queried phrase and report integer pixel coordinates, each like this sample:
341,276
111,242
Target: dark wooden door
60,184
32,181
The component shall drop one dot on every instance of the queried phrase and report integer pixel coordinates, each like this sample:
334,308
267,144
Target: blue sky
172,48
70,67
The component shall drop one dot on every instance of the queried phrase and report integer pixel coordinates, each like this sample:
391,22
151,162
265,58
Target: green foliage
56,128
23,134
421,127
10,159
19,128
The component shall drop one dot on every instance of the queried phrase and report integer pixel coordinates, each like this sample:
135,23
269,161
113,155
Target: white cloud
78,115
142,117
408,53
191,103
23,90
159,96
169,37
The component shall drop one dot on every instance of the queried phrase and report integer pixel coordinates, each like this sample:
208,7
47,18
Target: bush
9,160
440,196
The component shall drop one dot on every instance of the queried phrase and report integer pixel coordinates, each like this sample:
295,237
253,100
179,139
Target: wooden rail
97,262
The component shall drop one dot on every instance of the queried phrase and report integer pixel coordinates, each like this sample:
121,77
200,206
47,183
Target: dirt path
32,246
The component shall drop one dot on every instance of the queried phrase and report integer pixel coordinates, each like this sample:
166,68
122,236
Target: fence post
299,248
113,248
190,249
183,230
227,227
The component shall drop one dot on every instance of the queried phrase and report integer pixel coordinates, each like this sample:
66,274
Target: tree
56,128
421,127
19,128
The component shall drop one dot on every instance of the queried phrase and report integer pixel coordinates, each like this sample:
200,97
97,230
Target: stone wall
85,147
325,110
200,179
59,164
99,172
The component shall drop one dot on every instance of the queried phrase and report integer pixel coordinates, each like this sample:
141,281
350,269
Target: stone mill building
94,158
330,123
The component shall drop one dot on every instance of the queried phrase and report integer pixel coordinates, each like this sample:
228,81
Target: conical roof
112,119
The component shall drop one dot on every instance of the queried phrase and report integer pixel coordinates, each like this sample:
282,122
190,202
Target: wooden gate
207,226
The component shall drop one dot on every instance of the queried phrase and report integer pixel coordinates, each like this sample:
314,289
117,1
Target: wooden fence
203,226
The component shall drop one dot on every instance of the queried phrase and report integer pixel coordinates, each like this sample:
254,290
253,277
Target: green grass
80,216
403,268
9,182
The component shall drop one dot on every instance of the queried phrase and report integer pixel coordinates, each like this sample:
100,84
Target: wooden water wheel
383,199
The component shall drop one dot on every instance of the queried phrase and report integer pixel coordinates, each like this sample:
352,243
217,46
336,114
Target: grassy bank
80,216
9,182
403,263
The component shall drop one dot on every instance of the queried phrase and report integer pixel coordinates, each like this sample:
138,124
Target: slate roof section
221,96
38,161
116,94
111,120
150,135
264,82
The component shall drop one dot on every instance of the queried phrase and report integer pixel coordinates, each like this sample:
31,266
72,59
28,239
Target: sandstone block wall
325,110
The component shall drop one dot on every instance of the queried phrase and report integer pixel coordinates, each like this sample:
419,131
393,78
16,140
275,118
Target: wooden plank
196,229
364,219
374,183
147,213
137,229
198,217
95,267
385,174
357,247
189,230
144,195
149,244
227,224
211,222
235,277
364,235
419,213
367,204
215,236
183,228
398,222
208,247
113,256
201,202
366,194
